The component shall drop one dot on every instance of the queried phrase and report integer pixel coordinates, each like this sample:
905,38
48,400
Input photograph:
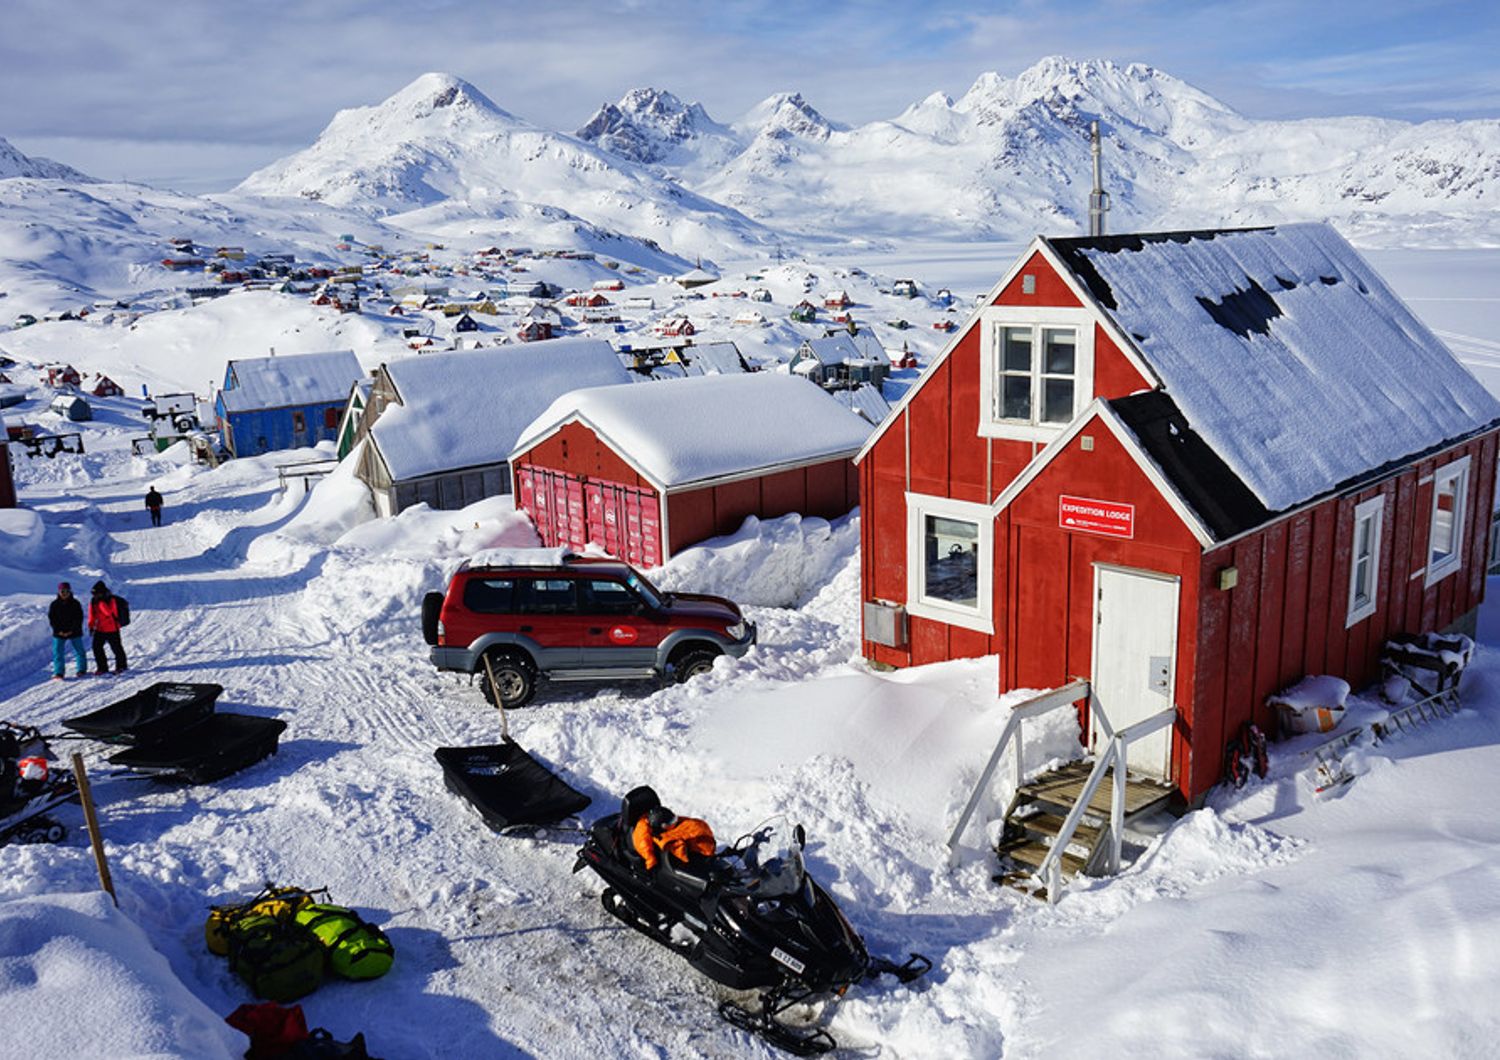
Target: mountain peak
433,92
13,163
652,125
787,114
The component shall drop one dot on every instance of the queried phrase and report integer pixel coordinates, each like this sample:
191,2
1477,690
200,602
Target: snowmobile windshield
771,860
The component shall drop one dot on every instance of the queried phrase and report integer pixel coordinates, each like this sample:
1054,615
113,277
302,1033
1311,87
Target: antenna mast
1098,198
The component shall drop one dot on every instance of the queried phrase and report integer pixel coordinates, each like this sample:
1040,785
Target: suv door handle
596,630
525,629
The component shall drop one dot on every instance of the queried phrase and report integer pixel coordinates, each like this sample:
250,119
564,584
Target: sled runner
508,787
219,745
150,714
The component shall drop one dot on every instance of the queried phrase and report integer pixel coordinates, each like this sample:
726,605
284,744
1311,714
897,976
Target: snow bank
917,738
79,978
766,563
21,535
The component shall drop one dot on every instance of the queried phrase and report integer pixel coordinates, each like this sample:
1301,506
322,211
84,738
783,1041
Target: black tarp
150,714
507,786
219,745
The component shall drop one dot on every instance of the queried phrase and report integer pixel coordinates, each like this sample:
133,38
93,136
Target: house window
948,561
1037,371
1494,562
299,422
331,418
1445,542
1364,563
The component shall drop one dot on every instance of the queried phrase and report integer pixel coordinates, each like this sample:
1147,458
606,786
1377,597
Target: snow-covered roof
714,358
867,401
467,407
835,349
292,379
1284,350
695,429
698,275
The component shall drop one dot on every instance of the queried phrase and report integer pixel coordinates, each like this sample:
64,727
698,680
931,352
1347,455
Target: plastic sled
151,714
219,745
507,786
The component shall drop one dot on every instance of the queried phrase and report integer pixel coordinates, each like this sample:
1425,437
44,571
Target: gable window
1450,498
1364,562
1036,370
948,560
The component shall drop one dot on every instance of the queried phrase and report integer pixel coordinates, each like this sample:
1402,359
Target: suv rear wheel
692,662
515,677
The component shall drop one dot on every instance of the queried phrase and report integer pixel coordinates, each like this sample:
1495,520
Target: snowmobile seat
636,804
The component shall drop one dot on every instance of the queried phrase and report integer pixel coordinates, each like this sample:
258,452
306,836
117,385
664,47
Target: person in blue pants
66,618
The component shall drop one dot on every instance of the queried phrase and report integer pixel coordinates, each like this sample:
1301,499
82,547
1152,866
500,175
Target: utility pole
1098,198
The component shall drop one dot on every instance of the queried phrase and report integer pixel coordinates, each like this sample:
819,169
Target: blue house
270,403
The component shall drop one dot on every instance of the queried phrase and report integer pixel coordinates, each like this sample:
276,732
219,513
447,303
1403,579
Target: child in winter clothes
104,621
65,615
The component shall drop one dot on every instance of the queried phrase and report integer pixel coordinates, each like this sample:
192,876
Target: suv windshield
648,591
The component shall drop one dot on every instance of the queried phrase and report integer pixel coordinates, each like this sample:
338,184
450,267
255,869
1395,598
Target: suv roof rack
531,557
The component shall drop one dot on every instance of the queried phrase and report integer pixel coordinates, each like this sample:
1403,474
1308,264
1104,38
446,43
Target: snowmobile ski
764,1025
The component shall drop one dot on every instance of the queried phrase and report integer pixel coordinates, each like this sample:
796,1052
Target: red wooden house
1190,467
645,469
535,331
7,482
107,387
61,375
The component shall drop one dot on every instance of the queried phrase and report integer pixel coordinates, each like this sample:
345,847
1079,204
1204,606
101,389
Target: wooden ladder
1039,811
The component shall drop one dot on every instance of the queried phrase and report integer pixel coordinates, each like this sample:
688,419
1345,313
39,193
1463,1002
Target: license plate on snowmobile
787,959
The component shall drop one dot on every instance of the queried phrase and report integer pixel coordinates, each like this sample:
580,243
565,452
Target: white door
1135,659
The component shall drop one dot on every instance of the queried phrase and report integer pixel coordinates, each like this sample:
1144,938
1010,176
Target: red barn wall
1049,601
7,482
1286,616
828,490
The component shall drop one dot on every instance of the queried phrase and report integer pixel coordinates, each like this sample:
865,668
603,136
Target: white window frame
1458,473
1037,317
1372,510
918,507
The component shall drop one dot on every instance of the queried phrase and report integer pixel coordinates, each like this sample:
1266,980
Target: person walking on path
65,615
153,505
104,622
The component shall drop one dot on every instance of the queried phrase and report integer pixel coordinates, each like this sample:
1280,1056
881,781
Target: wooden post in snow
495,695
91,819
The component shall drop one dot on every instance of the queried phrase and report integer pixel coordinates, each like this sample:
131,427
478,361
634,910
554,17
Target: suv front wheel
514,677
692,662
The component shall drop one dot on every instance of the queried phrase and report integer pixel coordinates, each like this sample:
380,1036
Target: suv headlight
736,631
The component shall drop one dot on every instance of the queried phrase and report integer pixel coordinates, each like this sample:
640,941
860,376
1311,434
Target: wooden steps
1040,809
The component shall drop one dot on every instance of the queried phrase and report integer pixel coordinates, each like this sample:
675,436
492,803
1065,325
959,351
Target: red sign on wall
1110,518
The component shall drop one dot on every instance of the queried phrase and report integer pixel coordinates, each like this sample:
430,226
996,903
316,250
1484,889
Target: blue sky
195,95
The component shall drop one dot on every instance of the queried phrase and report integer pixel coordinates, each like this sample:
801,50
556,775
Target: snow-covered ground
1270,923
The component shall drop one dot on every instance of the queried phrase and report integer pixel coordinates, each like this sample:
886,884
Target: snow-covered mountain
15,164
1010,157
441,140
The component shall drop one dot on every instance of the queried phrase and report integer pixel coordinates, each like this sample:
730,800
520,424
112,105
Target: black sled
749,918
26,802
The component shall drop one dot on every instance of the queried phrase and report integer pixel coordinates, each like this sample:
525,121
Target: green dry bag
356,949
278,959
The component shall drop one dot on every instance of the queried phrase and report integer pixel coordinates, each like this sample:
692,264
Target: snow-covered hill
1011,157
15,164
441,140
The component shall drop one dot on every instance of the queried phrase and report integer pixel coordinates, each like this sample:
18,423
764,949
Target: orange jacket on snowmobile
687,835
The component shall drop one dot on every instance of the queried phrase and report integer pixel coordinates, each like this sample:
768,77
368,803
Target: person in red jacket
104,623
681,837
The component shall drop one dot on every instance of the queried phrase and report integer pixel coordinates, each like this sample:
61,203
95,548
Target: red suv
577,619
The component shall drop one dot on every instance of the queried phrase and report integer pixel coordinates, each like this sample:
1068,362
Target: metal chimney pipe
1098,198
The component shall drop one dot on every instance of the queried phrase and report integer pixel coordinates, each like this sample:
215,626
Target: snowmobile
30,788
749,918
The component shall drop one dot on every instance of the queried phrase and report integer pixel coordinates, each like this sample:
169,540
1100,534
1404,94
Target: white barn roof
294,379
1285,351
691,430
466,408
